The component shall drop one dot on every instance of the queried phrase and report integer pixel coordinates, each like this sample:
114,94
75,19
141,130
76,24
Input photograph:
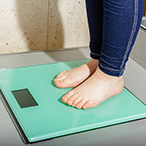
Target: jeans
113,27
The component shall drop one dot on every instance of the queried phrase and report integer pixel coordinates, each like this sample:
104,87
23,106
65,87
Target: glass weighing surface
46,116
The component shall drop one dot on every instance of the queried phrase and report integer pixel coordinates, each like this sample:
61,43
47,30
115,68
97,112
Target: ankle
92,65
94,62
109,77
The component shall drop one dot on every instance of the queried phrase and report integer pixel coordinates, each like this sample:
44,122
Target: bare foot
96,89
73,77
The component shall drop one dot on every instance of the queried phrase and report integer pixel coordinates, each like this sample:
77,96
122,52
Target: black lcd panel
24,98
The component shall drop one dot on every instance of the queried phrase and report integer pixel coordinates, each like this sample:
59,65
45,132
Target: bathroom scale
35,106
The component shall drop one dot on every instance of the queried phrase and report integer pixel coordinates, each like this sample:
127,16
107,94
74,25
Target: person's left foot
75,76
96,89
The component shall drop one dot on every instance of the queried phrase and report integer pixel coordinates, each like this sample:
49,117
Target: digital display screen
24,98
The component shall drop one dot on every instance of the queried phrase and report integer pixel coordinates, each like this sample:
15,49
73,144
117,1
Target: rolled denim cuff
110,71
94,56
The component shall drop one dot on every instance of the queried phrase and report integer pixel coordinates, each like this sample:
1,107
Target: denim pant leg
95,22
121,22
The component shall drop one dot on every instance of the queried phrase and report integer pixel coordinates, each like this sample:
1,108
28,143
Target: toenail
69,102
78,106
57,79
71,92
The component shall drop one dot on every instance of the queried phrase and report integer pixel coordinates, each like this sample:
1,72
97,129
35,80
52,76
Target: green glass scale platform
35,104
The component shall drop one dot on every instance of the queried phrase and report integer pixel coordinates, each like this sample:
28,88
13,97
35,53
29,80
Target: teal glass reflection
51,117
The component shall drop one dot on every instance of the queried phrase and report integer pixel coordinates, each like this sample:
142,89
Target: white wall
28,25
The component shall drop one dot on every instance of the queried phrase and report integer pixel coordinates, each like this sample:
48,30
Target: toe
67,96
76,101
61,83
87,105
60,74
64,99
60,78
71,99
81,103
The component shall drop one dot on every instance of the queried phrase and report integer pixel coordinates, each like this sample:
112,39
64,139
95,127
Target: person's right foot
75,76
95,90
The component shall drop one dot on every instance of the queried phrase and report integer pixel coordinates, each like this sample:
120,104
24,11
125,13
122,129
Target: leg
121,22
95,23
76,76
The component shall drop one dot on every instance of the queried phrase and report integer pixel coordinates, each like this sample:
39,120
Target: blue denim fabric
113,26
